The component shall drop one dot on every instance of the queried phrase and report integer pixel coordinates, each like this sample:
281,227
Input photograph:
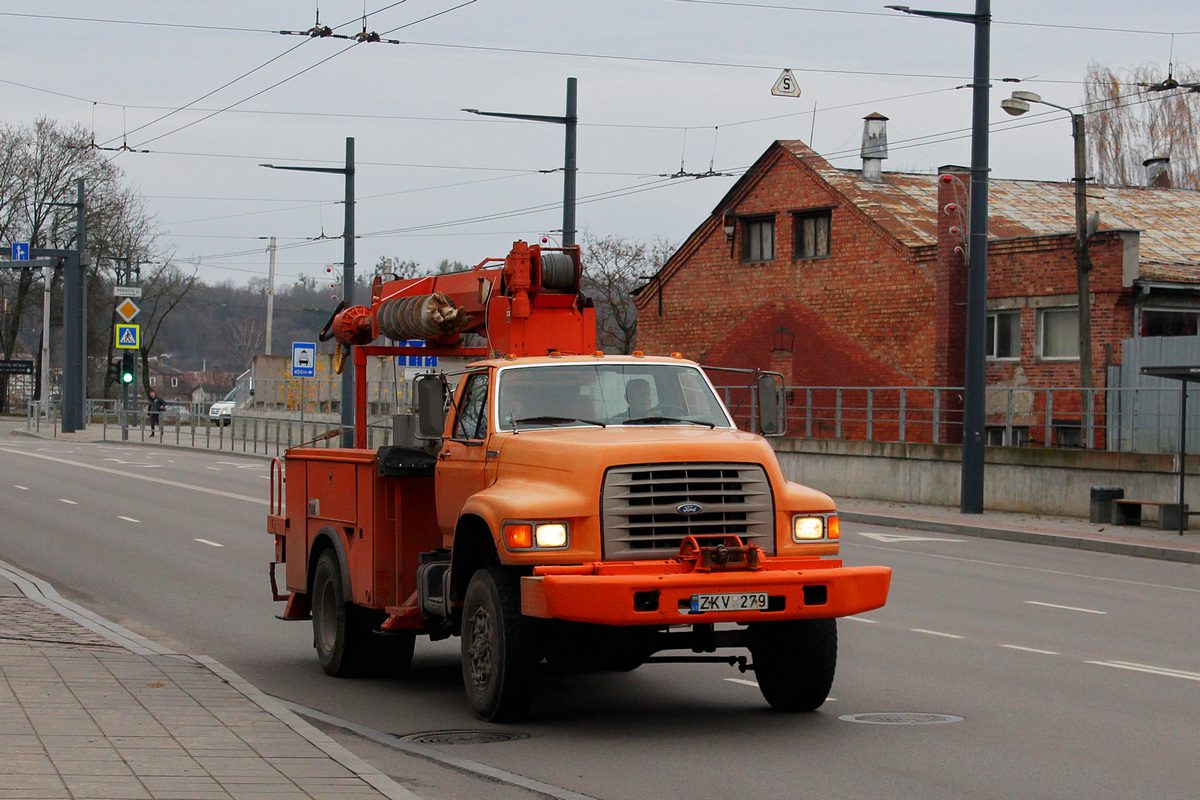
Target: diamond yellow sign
127,309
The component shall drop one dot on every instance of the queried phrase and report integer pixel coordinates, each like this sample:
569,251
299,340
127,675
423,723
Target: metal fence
285,413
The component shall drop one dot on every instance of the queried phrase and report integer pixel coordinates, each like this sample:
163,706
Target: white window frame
993,341
1041,333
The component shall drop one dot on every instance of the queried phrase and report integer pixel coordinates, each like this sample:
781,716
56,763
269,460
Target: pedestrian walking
157,406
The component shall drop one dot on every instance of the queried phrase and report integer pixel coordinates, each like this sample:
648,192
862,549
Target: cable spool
420,317
558,272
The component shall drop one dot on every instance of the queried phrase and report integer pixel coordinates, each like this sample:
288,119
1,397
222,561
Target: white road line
937,633
206,541
1065,608
68,502
129,519
22,488
214,469
136,476
864,619
1170,673
743,681
1030,650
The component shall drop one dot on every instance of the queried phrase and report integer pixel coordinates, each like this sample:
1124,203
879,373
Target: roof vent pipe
874,146
1158,172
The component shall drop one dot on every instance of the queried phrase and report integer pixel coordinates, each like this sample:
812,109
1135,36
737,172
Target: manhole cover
900,718
465,737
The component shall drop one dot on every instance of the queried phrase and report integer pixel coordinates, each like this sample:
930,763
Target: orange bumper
660,592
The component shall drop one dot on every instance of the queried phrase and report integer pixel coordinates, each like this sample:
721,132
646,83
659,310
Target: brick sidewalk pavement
90,710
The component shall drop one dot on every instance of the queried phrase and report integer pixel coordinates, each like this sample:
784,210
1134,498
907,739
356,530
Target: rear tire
341,631
794,661
498,647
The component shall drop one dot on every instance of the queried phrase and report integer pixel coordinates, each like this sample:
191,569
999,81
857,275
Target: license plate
736,601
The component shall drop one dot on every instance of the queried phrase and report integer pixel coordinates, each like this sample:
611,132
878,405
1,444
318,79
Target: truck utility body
586,511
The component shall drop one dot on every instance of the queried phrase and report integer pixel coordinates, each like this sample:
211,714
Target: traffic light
111,376
127,368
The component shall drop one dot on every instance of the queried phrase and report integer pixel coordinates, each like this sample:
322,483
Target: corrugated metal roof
906,204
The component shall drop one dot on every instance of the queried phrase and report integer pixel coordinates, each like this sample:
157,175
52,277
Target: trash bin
1101,509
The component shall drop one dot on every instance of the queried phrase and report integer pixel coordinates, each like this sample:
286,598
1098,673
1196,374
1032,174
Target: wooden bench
1129,512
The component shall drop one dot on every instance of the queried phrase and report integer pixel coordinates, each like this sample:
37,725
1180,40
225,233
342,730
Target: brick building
839,277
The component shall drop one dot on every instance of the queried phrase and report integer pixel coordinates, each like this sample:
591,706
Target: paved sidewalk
91,710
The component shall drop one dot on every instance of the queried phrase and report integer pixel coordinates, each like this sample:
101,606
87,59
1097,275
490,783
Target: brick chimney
874,146
1158,172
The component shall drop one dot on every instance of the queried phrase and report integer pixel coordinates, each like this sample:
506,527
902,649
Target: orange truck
556,507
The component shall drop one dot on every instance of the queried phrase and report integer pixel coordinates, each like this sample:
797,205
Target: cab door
462,462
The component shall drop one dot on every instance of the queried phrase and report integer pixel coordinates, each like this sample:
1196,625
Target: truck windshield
550,396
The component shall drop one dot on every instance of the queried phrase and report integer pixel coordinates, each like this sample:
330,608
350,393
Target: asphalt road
997,670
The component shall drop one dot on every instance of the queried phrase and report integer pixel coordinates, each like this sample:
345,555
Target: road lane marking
889,538
136,476
743,681
864,619
22,488
129,519
206,541
1030,650
134,463
1170,673
1065,608
68,502
937,633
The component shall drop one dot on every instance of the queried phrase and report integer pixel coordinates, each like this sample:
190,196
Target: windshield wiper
548,420
666,420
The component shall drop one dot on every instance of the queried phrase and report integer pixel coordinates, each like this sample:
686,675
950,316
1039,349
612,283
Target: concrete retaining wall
1027,480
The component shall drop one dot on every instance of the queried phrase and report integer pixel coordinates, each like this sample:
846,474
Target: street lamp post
975,368
347,421
571,121
1016,105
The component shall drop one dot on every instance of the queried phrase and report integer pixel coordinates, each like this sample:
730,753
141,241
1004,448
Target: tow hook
728,553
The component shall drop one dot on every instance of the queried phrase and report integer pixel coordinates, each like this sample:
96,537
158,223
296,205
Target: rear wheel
342,632
498,647
794,661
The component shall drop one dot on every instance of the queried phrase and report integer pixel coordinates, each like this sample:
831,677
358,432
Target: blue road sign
416,361
129,337
20,251
304,359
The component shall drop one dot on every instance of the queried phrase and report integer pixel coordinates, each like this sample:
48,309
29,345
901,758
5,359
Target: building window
812,234
758,239
1058,333
174,382
1004,335
1000,436
153,381
1164,322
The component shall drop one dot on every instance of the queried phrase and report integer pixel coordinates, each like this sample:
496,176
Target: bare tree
162,293
1134,114
245,339
39,168
612,268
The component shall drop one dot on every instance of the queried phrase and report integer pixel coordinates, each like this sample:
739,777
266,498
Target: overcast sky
664,86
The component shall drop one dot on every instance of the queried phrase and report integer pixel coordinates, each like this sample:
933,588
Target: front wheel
794,661
498,647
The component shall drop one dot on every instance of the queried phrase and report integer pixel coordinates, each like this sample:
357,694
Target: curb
1112,547
44,593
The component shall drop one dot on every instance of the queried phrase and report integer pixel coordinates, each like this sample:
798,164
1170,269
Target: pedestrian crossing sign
129,337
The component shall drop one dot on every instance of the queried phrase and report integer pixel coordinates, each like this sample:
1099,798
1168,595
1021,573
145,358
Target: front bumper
660,592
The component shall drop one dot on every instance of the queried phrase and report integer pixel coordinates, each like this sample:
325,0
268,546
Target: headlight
525,535
810,528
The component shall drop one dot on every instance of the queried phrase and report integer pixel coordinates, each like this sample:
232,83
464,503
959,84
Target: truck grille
641,504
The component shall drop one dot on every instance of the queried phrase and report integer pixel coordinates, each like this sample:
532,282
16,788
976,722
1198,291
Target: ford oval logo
689,508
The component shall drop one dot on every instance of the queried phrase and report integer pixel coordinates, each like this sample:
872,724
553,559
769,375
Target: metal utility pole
270,296
570,168
347,419
975,372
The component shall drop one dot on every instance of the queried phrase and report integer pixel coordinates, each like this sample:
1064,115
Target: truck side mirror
430,390
770,420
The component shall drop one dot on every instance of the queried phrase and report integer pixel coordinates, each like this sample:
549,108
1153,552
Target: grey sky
664,86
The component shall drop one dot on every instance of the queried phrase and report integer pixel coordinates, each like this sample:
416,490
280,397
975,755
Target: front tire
794,661
498,647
